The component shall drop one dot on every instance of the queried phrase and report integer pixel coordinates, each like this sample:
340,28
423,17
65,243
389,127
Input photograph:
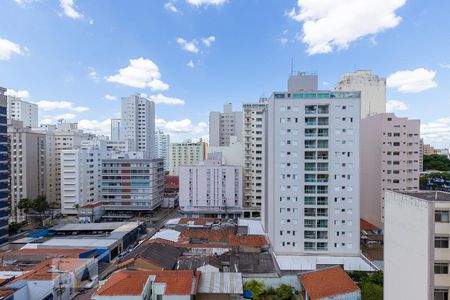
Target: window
441,242
441,268
441,216
440,294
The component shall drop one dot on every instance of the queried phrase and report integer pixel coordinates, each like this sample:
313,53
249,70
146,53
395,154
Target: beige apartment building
390,160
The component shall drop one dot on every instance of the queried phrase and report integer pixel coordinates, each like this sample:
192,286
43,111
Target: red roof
57,252
198,221
327,283
132,282
368,226
248,240
171,181
92,205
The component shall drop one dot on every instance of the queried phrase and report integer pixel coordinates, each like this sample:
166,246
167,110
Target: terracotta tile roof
248,240
209,235
132,283
59,252
171,181
198,221
367,226
92,205
327,283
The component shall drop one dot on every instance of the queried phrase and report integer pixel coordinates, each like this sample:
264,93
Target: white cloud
8,48
92,74
412,81
54,119
20,93
444,66
55,105
206,2
110,97
96,126
69,9
171,7
437,132
188,46
283,41
395,105
208,41
161,99
180,126
190,64
331,24
25,2
140,73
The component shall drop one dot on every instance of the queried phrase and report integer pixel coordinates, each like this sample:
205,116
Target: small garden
261,292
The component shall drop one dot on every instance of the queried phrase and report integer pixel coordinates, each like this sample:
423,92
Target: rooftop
429,195
327,283
364,225
162,255
220,283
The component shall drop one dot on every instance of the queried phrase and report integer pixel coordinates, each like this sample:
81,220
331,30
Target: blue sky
67,55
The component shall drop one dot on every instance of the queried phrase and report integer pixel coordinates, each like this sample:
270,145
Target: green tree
436,162
256,287
284,292
40,205
371,291
25,205
14,227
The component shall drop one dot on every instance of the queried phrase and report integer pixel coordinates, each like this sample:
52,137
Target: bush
284,292
256,287
271,291
371,291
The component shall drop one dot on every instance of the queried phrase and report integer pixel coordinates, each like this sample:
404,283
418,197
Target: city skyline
188,71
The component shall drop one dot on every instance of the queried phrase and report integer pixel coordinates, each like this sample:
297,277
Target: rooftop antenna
292,66
435,195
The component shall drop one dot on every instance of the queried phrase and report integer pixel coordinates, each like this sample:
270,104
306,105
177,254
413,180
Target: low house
220,286
140,285
328,284
90,213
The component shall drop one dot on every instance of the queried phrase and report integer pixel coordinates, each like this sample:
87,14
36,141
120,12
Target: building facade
24,111
255,164
162,146
313,172
223,125
117,130
390,160
138,118
186,153
131,186
416,245
211,189
27,166
372,88
4,169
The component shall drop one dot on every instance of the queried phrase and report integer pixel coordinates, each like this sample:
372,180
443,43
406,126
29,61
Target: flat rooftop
429,195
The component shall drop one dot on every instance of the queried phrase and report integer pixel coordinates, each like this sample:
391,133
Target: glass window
441,268
440,294
441,242
442,216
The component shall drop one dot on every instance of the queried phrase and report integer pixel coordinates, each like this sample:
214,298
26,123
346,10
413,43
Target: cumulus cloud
334,24
92,74
206,2
8,49
110,97
412,81
188,46
69,9
55,105
181,126
161,99
96,126
20,93
437,132
395,105
140,73
171,7
190,64
25,2
54,119
208,41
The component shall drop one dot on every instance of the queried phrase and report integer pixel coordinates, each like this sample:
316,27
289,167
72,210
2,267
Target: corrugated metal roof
220,283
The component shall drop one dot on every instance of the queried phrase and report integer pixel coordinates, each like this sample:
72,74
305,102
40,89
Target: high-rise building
24,111
59,137
417,245
138,118
27,166
81,175
162,145
131,186
428,149
210,189
117,130
255,164
313,172
390,160
4,169
223,125
186,153
372,88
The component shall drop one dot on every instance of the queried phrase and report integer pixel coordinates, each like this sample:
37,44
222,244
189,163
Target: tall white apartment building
416,245
138,118
22,111
390,160
162,145
255,164
372,88
81,175
27,166
211,189
223,125
59,137
117,130
313,172
186,153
